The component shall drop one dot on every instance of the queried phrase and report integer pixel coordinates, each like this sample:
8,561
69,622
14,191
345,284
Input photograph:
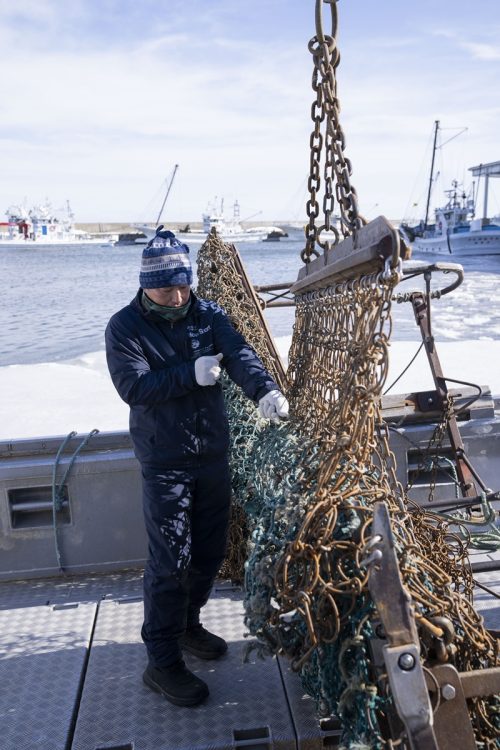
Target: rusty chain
313,483
318,478
327,143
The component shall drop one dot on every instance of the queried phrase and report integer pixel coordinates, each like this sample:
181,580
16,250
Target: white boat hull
43,228
40,245
197,238
460,244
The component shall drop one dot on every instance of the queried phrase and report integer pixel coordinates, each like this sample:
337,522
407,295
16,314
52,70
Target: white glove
207,369
273,406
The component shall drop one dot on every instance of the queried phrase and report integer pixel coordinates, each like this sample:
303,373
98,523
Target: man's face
170,296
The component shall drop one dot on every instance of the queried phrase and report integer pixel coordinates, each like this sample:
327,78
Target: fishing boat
213,218
73,551
229,230
73,547
43,227
457,230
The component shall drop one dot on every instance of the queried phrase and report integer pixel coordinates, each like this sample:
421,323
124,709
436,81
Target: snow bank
56,398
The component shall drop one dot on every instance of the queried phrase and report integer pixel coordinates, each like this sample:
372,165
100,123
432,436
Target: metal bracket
430,702
428,401
421,304
363,254
410,695
449,690
402,652
386,587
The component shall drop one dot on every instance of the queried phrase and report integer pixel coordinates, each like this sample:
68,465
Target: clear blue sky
100,98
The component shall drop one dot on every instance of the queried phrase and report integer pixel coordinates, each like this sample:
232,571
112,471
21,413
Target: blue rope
58,491
488,538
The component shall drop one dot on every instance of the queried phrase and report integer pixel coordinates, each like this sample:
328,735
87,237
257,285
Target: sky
99,99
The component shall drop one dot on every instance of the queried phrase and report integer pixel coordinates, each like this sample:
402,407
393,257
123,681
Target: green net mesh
303,497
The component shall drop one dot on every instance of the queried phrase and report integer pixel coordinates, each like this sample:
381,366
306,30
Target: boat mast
166,195
436,128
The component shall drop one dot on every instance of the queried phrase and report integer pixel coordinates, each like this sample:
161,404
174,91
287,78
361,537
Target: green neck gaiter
172,314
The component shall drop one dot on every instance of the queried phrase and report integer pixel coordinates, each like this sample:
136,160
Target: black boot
199,642
176,683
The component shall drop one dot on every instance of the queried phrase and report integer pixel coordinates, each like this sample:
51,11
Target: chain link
303,496
327,144
308,487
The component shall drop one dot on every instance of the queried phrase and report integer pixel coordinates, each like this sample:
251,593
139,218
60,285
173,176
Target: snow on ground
52,399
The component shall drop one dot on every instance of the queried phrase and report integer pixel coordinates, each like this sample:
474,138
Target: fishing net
303,499
222,278
304,490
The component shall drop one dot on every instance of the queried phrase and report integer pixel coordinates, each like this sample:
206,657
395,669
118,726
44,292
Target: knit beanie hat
165,262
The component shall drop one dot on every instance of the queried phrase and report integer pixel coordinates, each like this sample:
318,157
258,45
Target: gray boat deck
71,676
72,659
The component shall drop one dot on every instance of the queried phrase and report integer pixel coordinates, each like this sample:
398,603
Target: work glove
207,369
273,406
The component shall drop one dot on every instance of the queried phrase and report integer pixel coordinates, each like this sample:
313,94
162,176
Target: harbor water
56,302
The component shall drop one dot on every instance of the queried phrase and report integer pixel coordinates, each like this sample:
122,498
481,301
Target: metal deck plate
247,706
312,732
70,589
42,657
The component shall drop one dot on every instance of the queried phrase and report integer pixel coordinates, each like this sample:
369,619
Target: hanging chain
327,142
307,487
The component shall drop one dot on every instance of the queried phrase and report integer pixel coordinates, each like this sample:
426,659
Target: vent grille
31,507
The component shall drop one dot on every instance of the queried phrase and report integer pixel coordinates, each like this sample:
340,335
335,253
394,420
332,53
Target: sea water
56,302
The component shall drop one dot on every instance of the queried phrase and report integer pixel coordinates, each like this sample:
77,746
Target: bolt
448,692
406,662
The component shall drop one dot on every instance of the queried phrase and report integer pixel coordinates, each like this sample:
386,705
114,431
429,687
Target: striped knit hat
165,262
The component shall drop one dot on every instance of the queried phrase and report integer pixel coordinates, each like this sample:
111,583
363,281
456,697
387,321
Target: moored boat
229,230
457,230
43,227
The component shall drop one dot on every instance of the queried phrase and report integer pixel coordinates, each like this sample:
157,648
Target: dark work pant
186,513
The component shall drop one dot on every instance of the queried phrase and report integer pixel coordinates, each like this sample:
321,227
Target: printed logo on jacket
203,346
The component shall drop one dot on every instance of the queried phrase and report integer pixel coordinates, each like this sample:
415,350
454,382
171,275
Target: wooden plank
354,256
280,373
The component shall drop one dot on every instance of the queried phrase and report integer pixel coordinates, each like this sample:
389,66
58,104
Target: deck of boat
72,660
72,665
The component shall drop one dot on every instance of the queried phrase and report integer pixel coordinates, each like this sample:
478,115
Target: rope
58,490
412,360
487,539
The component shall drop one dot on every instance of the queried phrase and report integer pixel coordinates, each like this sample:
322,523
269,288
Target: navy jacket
173,420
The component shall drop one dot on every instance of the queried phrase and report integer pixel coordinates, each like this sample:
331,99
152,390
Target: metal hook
389,271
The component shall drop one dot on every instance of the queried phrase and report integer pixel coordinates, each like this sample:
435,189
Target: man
165,351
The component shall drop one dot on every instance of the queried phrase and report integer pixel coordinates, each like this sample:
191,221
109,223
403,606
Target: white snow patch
55,398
